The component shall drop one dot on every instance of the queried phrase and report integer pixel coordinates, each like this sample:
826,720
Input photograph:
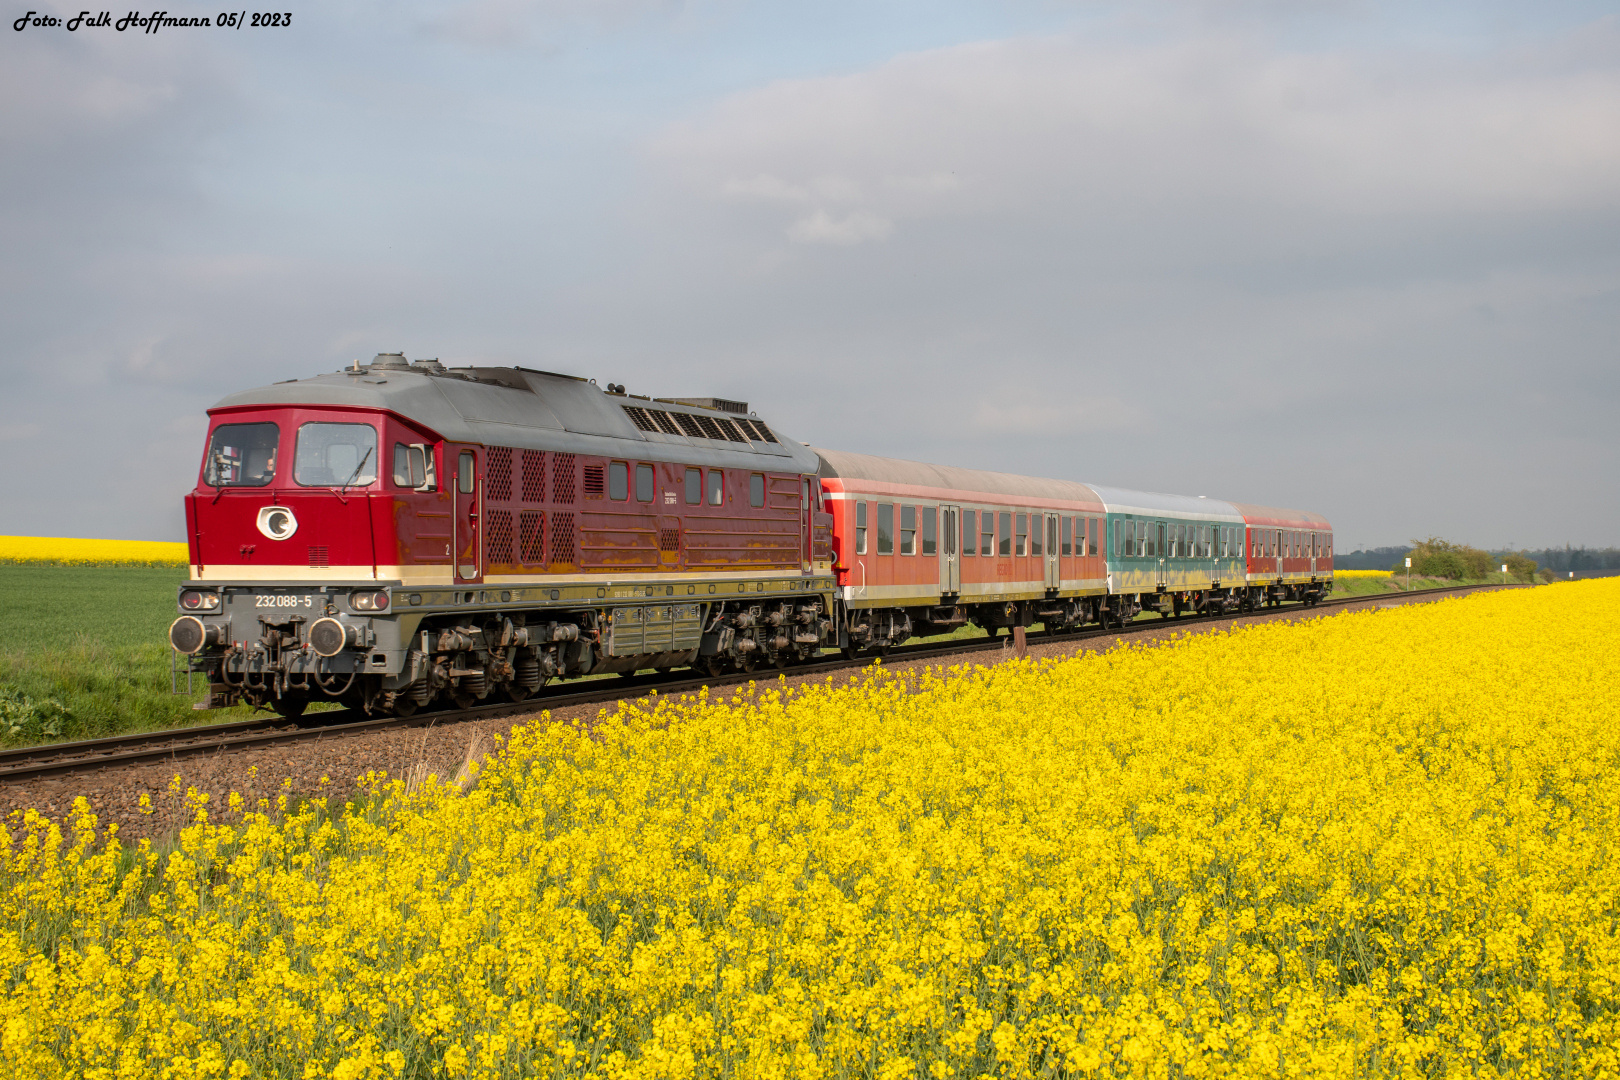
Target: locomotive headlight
277,522
368,601
193,600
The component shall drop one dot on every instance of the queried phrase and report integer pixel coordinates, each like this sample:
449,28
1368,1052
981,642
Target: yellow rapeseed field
1362,573
1374,844
60,549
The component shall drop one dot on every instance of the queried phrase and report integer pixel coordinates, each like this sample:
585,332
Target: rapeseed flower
1378,843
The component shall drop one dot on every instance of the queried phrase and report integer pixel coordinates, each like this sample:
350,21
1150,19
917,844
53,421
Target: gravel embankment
334,765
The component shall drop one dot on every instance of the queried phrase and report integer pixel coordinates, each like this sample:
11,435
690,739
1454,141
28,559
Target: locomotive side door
807,523
1054,568
469,496
950,565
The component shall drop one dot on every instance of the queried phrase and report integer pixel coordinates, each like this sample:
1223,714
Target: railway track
59,759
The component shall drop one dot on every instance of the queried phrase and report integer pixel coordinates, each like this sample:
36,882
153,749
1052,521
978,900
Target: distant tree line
1435,557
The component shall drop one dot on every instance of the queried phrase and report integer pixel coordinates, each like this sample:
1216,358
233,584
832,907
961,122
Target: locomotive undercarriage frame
471,656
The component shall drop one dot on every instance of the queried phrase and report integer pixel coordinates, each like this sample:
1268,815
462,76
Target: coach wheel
290,707
404,705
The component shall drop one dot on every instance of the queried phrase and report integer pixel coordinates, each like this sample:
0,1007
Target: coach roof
947,480
1158,503
516,407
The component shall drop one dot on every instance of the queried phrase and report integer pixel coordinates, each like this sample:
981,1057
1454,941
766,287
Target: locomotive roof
920,474
1154,503
532,410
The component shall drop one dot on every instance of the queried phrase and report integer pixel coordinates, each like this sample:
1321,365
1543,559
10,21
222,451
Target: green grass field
93,641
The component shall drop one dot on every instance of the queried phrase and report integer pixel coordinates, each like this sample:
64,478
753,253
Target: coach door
469,545
950,554
1054,565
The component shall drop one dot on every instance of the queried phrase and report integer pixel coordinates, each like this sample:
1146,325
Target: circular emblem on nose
277,522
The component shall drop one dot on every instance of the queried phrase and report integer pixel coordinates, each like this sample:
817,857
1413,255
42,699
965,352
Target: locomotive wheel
711,666
516,692
404,705
848,652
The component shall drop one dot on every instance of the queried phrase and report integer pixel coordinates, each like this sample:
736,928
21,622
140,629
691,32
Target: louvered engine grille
498,535
532,537
564,549
534,476
562,478
499,474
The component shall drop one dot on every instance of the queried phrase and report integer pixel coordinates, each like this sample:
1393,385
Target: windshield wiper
354,475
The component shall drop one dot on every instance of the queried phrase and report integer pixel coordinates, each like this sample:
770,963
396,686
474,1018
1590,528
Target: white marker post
1504,573
1409,573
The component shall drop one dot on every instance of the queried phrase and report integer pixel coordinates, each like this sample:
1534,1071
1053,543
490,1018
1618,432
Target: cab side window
694,487
618,480
413,466
717,487
644,483
756,489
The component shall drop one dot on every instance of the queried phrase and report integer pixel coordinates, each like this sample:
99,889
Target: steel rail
145,748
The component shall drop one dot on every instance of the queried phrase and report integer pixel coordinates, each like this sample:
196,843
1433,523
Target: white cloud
1072,133
845,230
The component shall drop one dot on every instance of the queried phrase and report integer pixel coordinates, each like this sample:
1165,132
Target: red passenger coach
1290,552
922,549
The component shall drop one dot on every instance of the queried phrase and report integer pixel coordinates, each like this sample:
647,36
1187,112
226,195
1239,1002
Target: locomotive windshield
336,455
241,455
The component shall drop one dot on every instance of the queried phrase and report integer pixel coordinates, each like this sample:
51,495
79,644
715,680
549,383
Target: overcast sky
1358,258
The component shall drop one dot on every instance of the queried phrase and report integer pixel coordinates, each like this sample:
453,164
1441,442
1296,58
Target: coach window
618,480
1004,547
860,528
970,532
1037,537
987,533
1119,538
1067,539
756,489
1093,531
336,455
930,519
694,487
908,530
1023,535
885,529
717,486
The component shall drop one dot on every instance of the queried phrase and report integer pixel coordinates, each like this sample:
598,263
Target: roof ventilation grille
740,408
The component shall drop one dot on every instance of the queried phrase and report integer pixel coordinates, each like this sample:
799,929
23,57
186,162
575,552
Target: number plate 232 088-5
284,601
